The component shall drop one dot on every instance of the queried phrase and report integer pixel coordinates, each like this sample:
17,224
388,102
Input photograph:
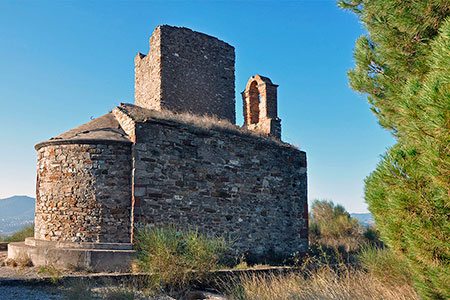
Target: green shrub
331,225
19,236
174,258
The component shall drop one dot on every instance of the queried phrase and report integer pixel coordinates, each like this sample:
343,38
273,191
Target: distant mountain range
15,213
365,219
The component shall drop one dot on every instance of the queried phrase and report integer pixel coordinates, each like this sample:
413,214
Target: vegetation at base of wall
22,261
325,283
19,236
402,65
52,271
346,261
175,258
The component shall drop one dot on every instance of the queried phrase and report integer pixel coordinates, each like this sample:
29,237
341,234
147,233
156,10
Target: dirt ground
56,291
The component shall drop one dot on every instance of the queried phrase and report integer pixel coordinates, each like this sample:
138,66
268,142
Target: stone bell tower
260,106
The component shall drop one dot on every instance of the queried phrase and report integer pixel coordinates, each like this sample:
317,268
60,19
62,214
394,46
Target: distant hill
365,219
15,212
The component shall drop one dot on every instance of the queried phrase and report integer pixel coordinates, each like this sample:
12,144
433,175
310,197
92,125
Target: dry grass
344,283
21,261
244,265
201,122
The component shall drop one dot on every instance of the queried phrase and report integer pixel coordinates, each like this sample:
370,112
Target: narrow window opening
254,101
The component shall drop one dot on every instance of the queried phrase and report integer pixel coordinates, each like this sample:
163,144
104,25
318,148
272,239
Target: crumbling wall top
186,71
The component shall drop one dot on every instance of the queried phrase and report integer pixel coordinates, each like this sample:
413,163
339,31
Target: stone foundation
95,257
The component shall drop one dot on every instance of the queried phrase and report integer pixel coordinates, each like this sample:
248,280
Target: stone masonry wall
222,183
186,71
83,193
147,82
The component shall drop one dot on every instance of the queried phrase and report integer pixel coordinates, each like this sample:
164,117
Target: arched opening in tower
253,103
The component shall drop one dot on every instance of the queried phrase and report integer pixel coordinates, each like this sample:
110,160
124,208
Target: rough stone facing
83,193
188,71
221,184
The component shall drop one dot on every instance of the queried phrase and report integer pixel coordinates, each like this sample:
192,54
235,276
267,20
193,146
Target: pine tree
403,66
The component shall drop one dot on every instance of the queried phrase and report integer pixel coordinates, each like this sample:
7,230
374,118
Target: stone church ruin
174,157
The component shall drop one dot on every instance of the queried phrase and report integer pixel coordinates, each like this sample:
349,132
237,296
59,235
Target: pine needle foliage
403,66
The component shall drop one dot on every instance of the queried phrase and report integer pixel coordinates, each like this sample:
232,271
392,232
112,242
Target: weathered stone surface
188,71
221,184
83,193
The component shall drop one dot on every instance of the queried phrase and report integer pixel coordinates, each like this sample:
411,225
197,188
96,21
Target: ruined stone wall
147,82
83,192
186,71
222,183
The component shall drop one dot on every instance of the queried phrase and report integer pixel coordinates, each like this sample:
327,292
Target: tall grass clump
20,235
344,283
383,264
175,258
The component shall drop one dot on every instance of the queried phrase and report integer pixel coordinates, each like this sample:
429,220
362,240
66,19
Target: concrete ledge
62,244
96,260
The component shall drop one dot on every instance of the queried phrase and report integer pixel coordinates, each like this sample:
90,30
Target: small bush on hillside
335,236
174,258
372,237
19,236
331,225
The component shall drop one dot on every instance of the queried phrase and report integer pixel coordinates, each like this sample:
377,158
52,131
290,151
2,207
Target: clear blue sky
62,63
